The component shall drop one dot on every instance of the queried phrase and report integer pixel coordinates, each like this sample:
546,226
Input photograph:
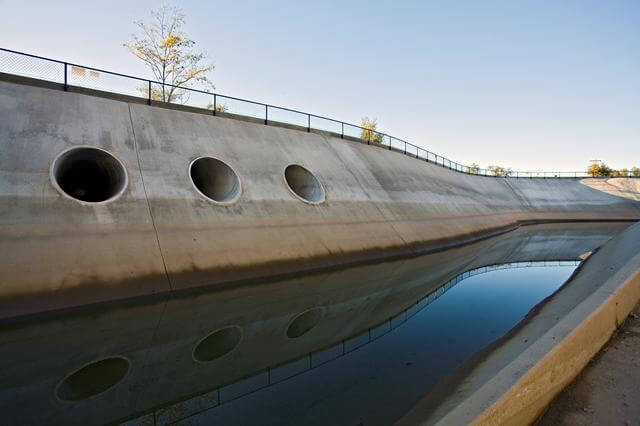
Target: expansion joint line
146,197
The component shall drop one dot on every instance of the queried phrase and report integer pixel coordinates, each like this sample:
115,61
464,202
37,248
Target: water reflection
193,351
409,353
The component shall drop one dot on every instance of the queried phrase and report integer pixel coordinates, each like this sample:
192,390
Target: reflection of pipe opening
304,322
93,379
304,184
215,179
89,174
319,357
218,344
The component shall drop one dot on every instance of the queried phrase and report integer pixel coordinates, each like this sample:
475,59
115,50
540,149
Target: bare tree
168,51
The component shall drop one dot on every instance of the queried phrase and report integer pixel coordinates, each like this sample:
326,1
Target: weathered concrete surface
158,336
163,234
515,380
608,389
49,243
620,187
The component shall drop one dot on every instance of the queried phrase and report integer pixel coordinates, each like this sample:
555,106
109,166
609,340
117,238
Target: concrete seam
385,217
146,196
526,204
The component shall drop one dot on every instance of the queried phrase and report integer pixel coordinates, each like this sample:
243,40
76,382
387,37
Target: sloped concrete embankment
161,233
159,337
514,381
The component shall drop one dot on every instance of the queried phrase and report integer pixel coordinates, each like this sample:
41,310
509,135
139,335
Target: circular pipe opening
215,180
217,344
304,322
88,174
93,379
304,184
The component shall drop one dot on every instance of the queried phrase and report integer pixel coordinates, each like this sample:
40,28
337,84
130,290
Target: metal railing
73,75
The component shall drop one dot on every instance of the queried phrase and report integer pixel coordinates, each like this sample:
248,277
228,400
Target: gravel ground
607,392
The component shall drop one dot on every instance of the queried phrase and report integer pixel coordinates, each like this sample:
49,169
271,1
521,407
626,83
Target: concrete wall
158,337
161,234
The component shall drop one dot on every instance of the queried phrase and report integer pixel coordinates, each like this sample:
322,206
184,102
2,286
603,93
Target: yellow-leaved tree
474,168
599,169
167,50
500,171
368,130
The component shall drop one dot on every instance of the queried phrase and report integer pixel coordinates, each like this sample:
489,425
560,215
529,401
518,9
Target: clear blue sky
529,84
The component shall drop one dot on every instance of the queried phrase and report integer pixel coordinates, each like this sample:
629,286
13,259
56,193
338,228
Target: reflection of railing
276,374
73,75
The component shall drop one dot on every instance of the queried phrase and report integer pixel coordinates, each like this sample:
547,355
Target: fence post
389,142
66,86
342,134
308,123
266,113
215,104
405,148
149,94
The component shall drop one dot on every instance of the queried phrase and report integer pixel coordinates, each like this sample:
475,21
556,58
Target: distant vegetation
601,169
500,171
219,107
368,131
474,168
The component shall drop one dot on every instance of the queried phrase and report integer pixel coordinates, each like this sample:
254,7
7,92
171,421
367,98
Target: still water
387,369
359,345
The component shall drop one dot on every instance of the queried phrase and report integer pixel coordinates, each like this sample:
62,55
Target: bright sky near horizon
532,85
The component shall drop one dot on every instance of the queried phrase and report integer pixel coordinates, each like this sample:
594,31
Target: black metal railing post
389,142
342,133
66,86
215,104
308,123
266,114
149,94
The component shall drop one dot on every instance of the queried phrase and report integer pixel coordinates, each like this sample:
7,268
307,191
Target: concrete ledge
521,391
528,398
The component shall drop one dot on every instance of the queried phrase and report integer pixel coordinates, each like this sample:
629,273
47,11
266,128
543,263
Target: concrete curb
521,392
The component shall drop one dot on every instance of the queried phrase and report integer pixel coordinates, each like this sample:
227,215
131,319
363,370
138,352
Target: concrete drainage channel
86,175
516,381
